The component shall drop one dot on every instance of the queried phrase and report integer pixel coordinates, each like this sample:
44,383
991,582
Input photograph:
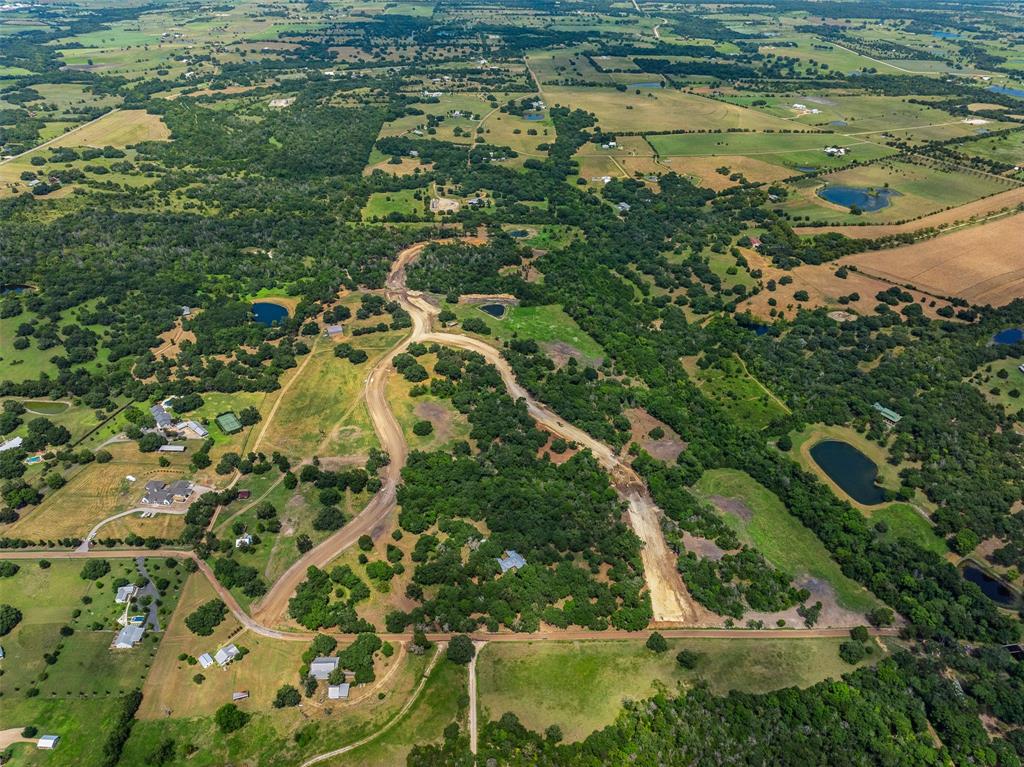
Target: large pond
849,468
495,310
867,200
1009,336
1018,92
993,588
266,313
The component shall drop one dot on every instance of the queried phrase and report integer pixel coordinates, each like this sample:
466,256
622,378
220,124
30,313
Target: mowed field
121,128
580,686
660,109
982,264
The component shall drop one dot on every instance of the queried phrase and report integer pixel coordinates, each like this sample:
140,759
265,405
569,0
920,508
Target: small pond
266,313
1018,92
839,123
495,310
993,588
1009,336
806,169
868,200
15,289
651,84
946,35
533,116
45,407
849,468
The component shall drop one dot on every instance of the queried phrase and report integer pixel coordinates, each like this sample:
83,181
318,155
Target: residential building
225,655
243,540
511,560
125,594
162,417
128,637
891,416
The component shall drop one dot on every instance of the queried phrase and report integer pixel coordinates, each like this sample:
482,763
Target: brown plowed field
982,264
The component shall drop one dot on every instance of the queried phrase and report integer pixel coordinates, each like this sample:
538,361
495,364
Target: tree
881,616
230,717
422,428
687,659
859,633
460,649
94,569
656,642
205,618
9,618
852,652
287,696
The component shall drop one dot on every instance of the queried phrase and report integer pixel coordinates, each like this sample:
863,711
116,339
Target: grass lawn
580,686
78,694
1002,390
380,204
544,324
743,396
780,536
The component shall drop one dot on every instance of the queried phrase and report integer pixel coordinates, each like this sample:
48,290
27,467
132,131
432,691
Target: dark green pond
849,468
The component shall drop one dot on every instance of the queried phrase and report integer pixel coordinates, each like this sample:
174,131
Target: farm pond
868,200
991,587
1009,336
495,310
266,313
849,468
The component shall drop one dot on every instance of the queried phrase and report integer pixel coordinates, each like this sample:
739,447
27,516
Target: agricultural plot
119,129
914,191
580,686
660,109
982,264
1005,148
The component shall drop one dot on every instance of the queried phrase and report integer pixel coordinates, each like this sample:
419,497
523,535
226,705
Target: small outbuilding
338,691
171,449
243,540
240,695
48,742
205,660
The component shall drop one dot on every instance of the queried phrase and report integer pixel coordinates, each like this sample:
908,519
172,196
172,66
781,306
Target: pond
868,200
495,310
14,289
993,588
46,407
651,84
533,116
1009,336
946,35
1018,92
849,468
806,169
839,123
267,314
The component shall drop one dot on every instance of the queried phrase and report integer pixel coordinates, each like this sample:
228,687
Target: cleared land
581,685
120,129
982,264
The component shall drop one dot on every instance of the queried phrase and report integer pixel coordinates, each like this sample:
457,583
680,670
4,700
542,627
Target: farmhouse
48,742
128,637
229,423
511,560
322,667
338,691
835,151
891,416
225,655
162,417
159,493
244,540
205,660
125,594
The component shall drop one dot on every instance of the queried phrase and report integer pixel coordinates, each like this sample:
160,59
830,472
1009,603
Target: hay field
788,150
982,264
660,109
121,128
705,169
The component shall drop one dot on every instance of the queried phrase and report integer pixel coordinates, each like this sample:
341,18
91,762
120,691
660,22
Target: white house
322,667
128,637
125,594
244,540
225,655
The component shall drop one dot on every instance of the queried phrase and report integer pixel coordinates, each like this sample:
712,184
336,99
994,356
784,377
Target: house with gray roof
338,691
322,667
511,560
162,417
226,654
128,637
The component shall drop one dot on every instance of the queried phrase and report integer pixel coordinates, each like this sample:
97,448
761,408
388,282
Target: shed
205,660
48,742
322,667
11,444
244,495
229,423
239,695
200,431
171,449
338,691
334,330
225,655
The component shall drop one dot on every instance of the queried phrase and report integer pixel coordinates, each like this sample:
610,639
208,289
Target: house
623,207
225,655
322,667
186,311
474,201
155,494
334,330
125,594
162,417
240,695
338,691
11,444
181,489
229,423
891,416
128,637
755,243
243,540
171,449
205,660
511,560
48,742
835,151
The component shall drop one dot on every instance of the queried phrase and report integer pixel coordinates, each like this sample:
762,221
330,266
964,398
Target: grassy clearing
405,202
999,389
783,540
545,324
580,686
449,424
742,395
903,521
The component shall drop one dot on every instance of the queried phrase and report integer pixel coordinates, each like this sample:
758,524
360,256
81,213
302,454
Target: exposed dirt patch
438,415
706,170
667,448
703,547
561,352
733,506
832,615
170,341
337,462
556,458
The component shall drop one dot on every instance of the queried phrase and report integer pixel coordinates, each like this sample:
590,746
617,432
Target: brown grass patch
121,128
983,264
942,219
706,169
667,448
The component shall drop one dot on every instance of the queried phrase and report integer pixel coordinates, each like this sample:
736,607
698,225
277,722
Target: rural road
477,647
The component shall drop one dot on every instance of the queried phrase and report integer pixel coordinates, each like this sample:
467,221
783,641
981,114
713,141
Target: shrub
287,696
95,569
687,659
657,643
422,428
230,717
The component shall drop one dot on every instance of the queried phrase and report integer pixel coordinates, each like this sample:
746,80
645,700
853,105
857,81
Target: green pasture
544,324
